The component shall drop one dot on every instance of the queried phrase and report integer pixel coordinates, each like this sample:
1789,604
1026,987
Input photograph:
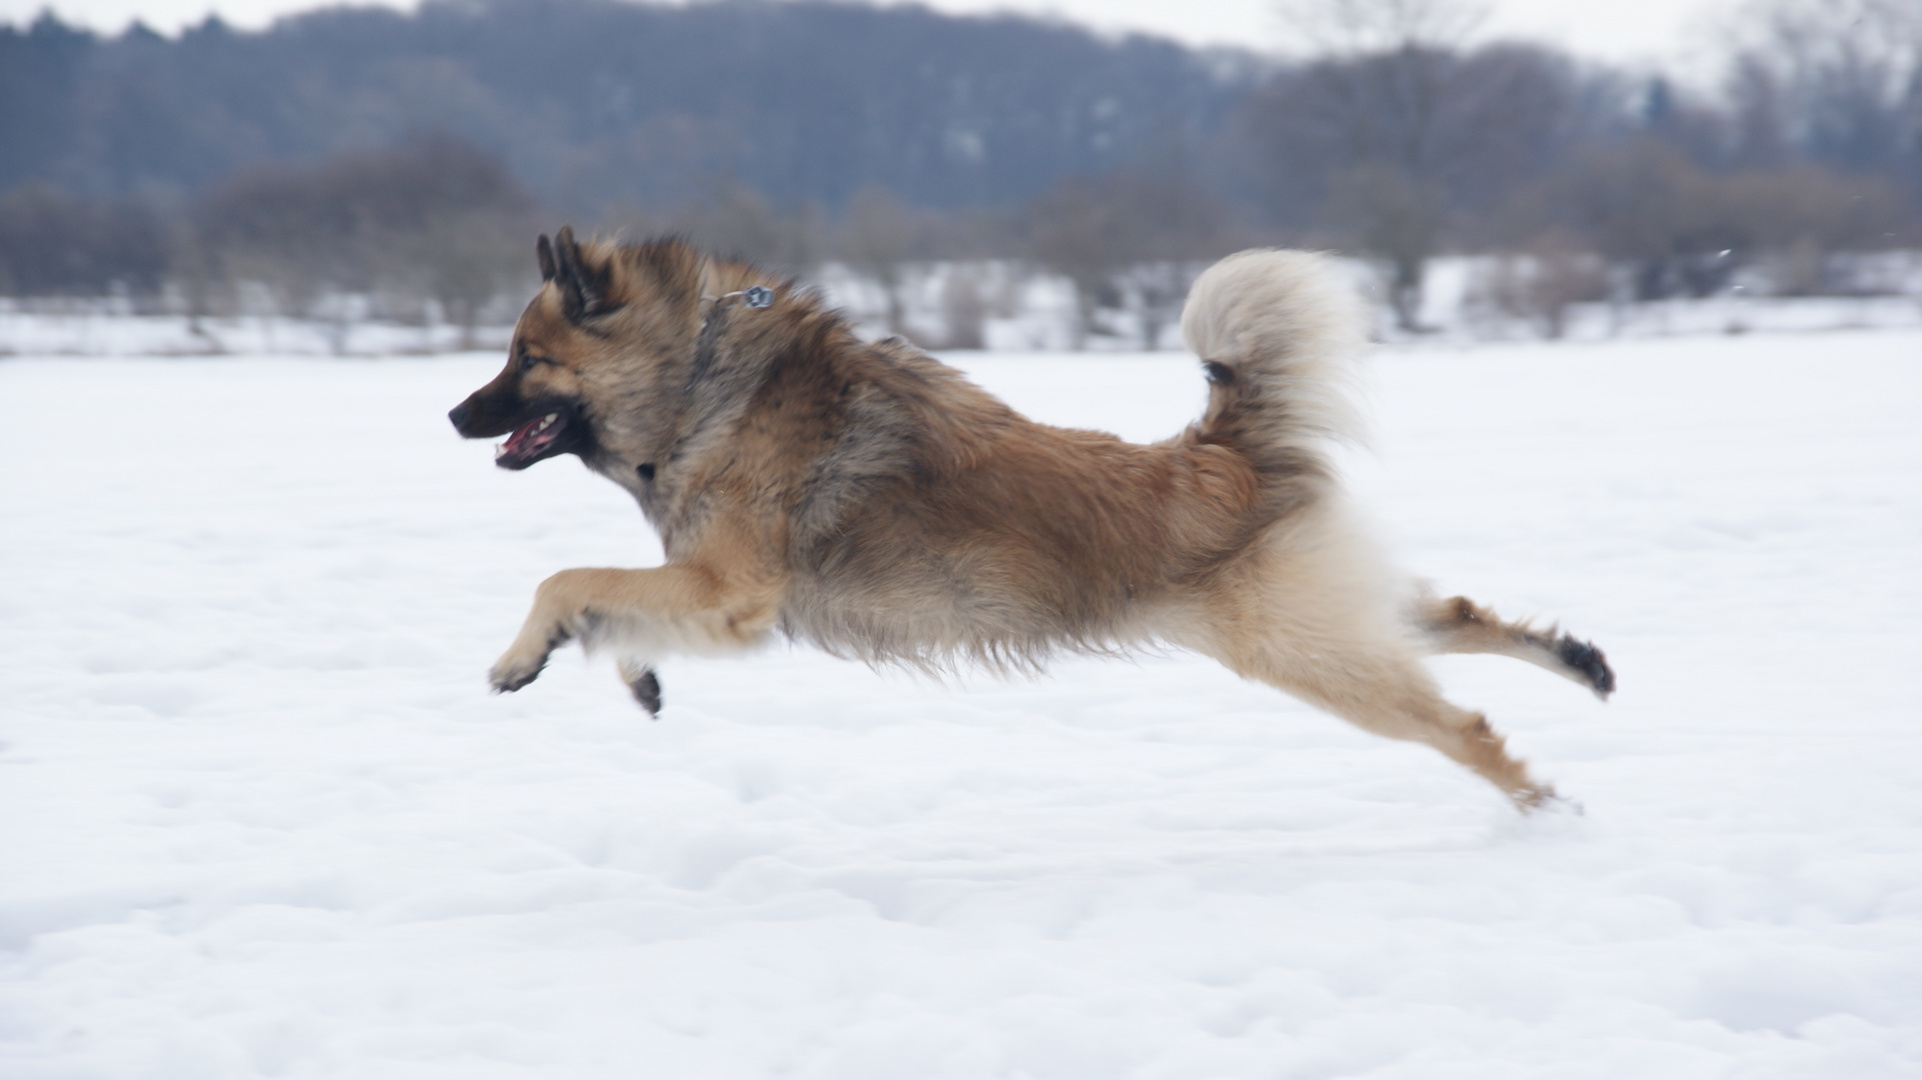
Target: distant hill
597,104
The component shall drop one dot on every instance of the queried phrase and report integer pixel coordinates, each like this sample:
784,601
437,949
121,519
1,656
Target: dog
865,498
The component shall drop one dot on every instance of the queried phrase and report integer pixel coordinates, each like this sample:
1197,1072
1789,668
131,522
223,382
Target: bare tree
1136,230
1071,231
428,217
1355,28
1680,229
466,261
52,243
1841,78
1171,223
193,276
964,308
1392,126
1159,287
1646,207
1398,219
735,220
878,240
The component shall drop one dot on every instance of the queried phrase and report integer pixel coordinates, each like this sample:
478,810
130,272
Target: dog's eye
529,361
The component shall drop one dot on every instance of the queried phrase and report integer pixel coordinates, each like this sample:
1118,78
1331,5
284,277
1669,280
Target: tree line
408,158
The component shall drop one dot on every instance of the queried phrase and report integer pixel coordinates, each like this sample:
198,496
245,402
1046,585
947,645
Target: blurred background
371,179
259,817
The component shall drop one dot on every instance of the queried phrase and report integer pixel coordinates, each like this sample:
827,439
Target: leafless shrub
465,262
1073,231
1541,286
434,219
879,240
964,308
1398,221
1679,229
1157,291
1107,234
734,220
1394,129
1840,81
55,244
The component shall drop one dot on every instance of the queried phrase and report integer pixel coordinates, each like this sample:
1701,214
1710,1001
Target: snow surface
258,816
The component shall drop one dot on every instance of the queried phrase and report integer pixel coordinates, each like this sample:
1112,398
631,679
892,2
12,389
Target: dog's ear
584,288
544,251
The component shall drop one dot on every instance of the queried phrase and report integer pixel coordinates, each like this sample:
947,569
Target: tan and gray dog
868,499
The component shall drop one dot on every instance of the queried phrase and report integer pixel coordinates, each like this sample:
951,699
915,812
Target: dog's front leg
674,608
521,664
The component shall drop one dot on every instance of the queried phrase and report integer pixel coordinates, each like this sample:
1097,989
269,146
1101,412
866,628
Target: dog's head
589,350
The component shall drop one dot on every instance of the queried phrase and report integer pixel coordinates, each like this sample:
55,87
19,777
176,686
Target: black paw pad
1585,658
510,685
647,691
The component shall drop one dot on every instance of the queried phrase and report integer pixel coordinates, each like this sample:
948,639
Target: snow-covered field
258,816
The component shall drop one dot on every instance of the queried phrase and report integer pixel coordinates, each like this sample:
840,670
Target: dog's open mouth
543,436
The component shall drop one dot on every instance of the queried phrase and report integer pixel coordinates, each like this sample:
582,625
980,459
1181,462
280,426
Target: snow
258,816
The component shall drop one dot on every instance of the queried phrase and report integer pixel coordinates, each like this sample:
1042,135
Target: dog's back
1006,540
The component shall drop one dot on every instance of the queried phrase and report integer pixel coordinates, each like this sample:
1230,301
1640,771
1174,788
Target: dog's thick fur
868,499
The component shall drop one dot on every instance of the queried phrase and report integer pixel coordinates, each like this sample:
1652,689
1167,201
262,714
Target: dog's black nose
457,415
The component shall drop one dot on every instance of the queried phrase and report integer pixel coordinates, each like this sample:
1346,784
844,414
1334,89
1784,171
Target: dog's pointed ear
584,287
544,251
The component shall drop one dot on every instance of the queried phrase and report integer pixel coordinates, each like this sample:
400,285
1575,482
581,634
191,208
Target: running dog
870,500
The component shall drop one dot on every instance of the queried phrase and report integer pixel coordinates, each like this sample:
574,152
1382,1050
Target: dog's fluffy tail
1277,331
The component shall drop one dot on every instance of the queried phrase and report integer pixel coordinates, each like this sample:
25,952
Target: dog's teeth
500,448
548,419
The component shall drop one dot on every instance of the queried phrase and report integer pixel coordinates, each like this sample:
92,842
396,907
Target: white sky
1621,30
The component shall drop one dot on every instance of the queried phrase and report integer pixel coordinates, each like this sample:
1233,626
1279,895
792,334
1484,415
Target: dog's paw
1556,805
1583,658
515,670
1536,799
645,685
522,662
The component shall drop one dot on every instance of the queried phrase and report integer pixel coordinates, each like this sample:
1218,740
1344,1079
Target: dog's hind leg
1458,625
1393,696
1318,618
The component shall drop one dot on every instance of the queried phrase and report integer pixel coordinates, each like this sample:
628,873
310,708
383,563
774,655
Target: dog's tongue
530,437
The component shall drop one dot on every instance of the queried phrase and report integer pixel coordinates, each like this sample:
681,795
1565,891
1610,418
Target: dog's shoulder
790,399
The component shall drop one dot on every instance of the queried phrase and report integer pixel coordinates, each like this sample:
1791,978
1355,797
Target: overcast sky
1622,30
